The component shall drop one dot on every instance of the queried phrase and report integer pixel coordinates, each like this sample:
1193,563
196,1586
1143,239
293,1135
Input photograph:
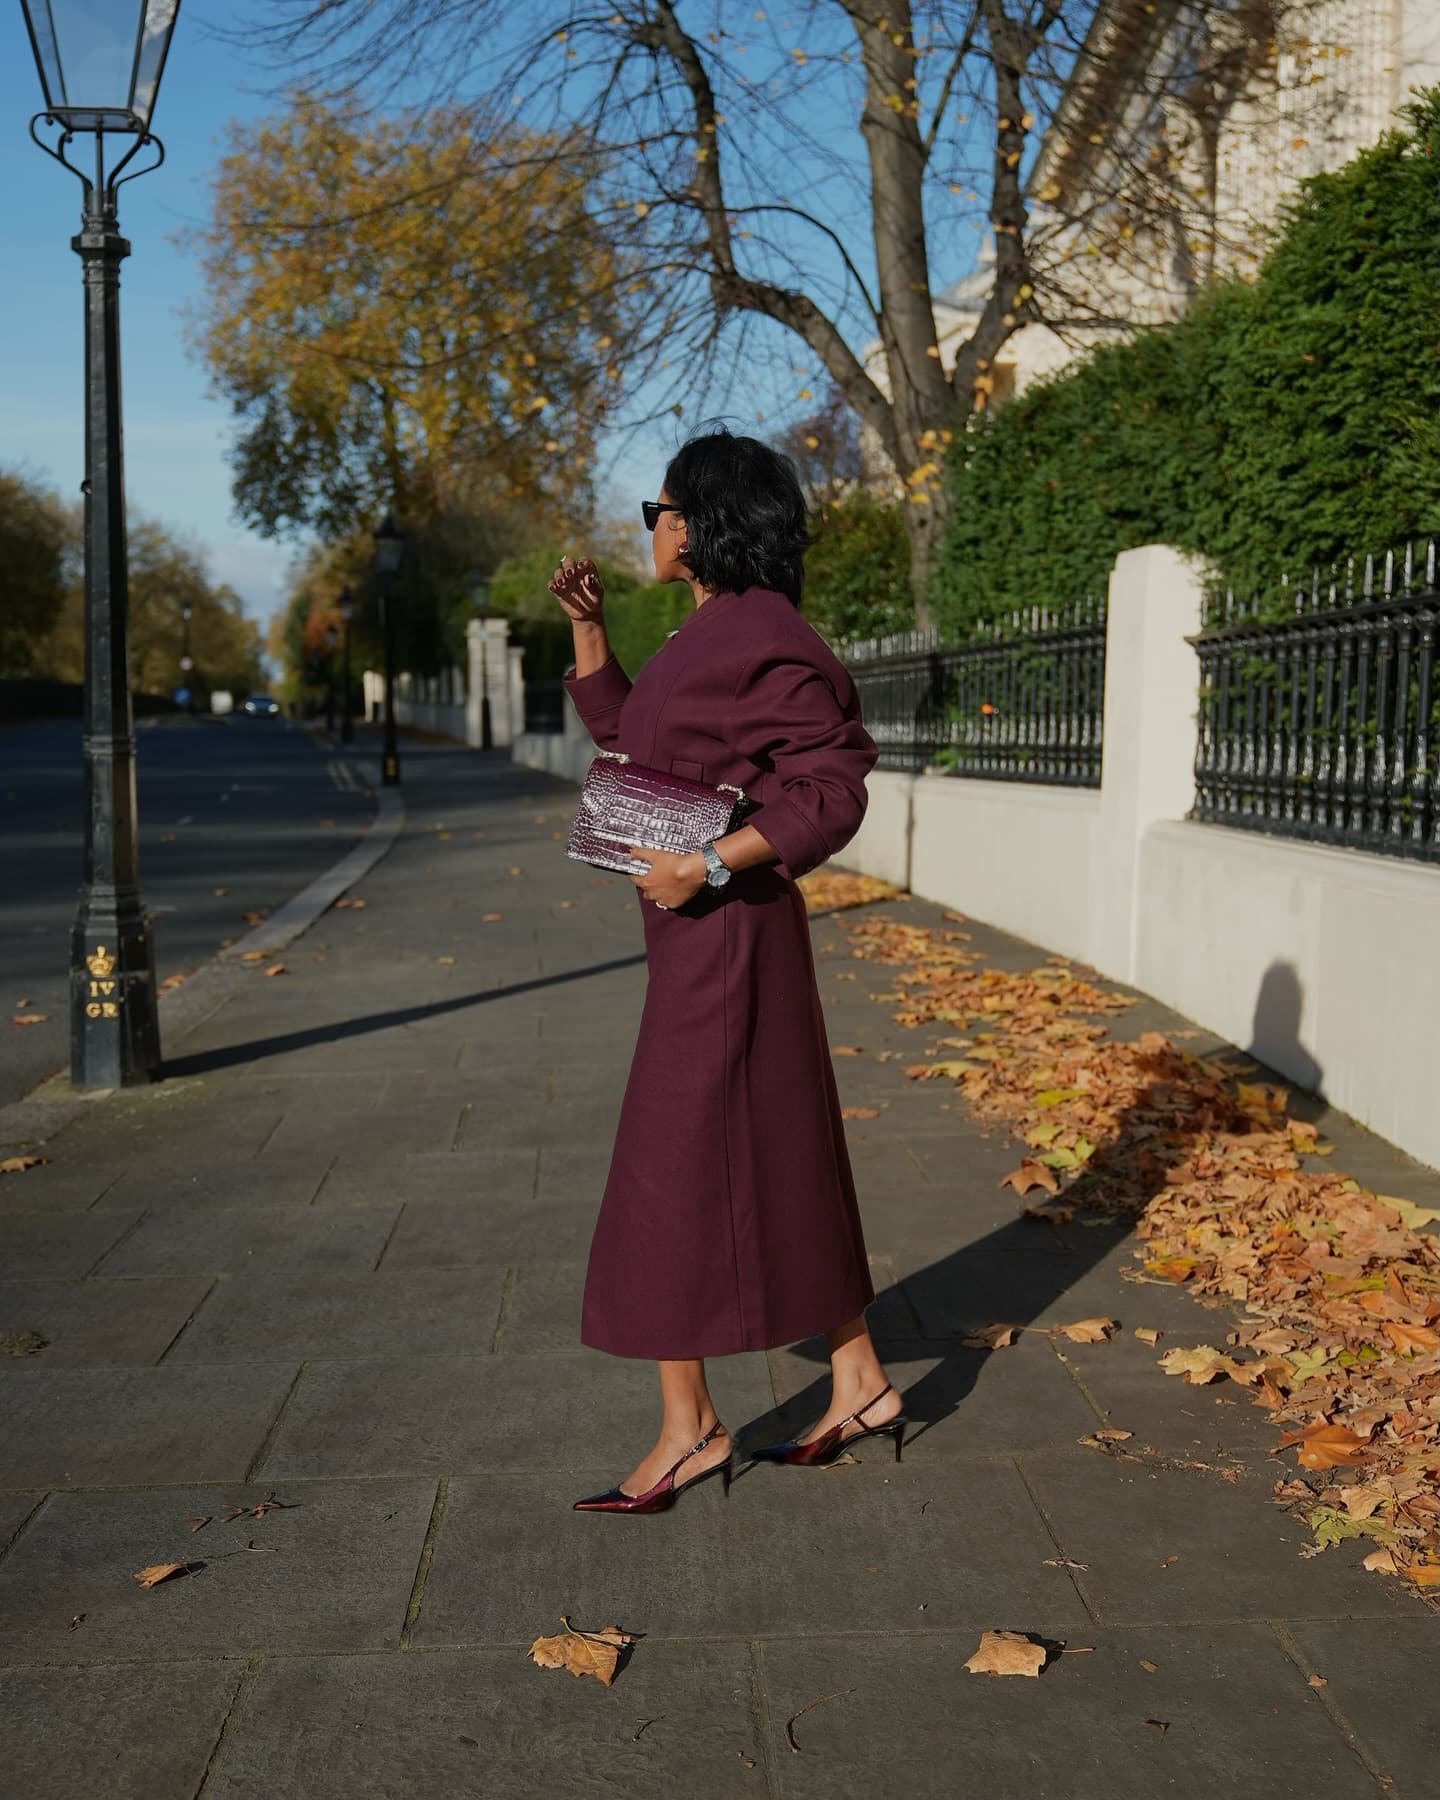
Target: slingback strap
888,1387
717,1426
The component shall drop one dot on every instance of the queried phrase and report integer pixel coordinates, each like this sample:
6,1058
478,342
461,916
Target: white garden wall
1324,962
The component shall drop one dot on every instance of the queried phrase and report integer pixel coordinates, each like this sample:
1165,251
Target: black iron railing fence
1021,699
1324,723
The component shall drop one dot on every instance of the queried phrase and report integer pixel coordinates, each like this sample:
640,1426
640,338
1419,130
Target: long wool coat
729,1219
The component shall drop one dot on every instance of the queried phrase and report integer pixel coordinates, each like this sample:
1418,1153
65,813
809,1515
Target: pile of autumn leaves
1337,1286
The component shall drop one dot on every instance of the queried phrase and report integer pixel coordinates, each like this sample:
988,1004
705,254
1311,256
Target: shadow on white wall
1275,1029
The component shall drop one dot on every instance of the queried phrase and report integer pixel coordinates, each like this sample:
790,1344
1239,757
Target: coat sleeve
814,753
598,698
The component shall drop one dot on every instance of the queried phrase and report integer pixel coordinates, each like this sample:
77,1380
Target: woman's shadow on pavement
1016,1273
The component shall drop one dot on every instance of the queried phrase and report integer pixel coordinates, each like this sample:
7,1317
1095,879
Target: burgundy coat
729,1219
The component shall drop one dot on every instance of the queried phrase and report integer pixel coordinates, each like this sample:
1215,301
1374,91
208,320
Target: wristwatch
717,870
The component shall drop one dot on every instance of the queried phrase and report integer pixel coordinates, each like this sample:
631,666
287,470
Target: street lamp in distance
345,606
389,550
100,72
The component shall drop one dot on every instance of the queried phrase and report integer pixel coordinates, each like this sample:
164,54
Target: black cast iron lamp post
389,549
187,661
346,610
100,71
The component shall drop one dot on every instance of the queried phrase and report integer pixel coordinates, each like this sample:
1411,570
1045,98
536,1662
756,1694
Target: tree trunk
925,533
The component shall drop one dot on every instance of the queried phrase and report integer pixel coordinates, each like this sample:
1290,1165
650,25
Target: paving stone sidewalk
335,1261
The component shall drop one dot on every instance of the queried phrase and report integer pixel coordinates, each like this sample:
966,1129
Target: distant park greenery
1281,422
42,601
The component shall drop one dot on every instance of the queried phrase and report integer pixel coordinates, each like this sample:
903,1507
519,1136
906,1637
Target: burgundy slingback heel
830,1443
666,1490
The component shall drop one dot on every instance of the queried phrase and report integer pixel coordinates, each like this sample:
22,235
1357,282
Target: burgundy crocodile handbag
624,803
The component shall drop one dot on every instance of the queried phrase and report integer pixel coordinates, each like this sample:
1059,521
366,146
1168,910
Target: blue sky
175,433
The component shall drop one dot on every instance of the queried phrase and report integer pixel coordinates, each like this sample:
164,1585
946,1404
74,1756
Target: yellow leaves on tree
399,309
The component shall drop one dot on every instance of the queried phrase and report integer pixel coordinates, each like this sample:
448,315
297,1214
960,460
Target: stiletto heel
666,1490
829,1444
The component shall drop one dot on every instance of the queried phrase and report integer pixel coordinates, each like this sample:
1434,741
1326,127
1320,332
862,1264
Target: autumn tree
167,574
404,312
35,544
798,179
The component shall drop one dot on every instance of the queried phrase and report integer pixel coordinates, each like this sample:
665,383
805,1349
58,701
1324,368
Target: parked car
261,706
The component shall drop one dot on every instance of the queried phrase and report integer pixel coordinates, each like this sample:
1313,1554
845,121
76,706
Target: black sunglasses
650,511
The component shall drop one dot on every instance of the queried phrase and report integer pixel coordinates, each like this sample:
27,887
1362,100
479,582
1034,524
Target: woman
729,1220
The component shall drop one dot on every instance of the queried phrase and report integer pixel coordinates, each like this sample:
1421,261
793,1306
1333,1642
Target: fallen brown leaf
1148,1666
583,1652
490,918
1030,1174
1326,1446
17,1165
29,1018
859,1112
158,1572
1147,1334
276,969
1087,1331
991,1337
1006,1653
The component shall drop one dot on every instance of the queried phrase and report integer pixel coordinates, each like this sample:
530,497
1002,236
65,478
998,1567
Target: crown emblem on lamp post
100,962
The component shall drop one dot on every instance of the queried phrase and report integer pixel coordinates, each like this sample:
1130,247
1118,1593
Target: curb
53,1104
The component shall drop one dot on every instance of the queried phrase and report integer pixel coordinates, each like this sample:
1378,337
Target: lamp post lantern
346,608
100,72
389,549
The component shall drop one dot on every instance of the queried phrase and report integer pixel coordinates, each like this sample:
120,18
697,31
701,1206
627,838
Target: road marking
343,776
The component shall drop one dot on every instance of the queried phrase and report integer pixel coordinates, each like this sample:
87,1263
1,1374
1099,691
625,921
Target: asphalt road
236,815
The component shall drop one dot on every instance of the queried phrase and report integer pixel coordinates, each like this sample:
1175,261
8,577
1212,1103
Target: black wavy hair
745,515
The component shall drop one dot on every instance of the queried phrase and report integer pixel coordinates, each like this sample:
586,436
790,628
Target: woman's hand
579,589
670,880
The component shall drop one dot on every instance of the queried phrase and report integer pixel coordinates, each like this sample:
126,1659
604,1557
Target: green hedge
857,569
1280,422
